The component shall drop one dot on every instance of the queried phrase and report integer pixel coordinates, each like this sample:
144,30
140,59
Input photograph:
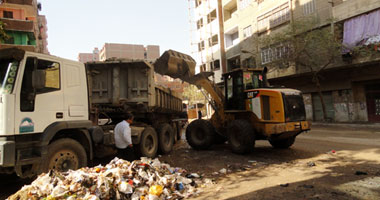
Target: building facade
349,86
25,28
89,57
129,51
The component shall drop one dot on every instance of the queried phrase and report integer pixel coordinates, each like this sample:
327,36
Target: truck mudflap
7,153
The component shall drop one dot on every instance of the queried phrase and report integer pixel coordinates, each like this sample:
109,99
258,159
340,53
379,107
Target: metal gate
373,102
317,107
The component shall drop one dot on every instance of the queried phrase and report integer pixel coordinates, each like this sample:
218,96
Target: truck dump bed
129,85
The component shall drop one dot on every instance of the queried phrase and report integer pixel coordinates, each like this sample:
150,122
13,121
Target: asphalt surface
324,163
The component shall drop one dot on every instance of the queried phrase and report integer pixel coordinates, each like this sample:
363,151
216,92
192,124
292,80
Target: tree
306,46
3,35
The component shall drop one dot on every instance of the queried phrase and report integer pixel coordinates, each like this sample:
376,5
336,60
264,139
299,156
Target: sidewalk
369,127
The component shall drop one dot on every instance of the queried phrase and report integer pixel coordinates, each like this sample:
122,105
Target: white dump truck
60,114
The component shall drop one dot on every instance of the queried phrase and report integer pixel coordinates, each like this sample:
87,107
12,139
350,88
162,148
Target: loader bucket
175,65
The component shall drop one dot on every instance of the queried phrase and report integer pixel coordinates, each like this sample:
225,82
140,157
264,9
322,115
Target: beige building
89,57
129,51
226,32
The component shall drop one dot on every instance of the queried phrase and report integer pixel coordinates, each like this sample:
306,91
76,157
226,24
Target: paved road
322,164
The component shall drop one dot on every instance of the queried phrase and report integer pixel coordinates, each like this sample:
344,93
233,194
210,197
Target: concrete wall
352,8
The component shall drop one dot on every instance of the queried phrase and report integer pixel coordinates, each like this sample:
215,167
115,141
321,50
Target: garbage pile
144,179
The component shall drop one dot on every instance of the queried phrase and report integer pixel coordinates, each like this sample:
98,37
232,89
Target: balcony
23,47
352,8
22,2
18,25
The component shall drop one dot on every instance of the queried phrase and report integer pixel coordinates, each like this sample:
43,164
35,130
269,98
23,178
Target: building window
8,14
203,68
201,46
211,16
198,3
200,23
213,40
216,65
229,10
244,3
232,38
274,53
275,17
247,31
309,7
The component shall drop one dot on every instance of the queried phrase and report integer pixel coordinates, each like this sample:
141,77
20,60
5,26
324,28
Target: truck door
37,108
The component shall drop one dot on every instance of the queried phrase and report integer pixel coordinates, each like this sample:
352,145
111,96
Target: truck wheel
165,138
65,154
200,134
283,143
175,132
241,136
149,143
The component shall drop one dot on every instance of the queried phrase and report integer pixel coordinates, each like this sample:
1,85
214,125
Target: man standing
123,139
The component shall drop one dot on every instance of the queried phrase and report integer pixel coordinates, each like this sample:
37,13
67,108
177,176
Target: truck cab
40,96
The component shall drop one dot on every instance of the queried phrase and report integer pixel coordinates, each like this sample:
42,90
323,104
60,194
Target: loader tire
200,134
165,138
241,137
282,143
148,144
64,154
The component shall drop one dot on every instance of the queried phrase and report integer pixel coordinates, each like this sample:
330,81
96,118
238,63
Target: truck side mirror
38,79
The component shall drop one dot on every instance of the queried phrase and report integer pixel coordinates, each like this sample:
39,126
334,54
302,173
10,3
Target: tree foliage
193,94
3,35
309,47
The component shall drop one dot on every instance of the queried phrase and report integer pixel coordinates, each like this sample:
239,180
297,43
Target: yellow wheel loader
248,110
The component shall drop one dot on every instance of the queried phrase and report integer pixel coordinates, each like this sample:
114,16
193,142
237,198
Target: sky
78,26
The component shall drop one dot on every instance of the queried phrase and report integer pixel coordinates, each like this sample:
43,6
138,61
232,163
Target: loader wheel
149,143
283,143
241,136
200,134
165,138
65,154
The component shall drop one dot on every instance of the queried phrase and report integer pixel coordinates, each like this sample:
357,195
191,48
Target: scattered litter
223,171
333,151
360,173
252,161
311,164
308,186
192,175
215,173
284,185
142,179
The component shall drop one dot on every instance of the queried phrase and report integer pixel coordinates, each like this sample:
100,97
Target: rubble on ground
144,179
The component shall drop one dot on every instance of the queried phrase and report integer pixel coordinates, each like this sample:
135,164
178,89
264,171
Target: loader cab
239,80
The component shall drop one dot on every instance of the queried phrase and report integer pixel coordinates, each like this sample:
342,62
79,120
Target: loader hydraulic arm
182,66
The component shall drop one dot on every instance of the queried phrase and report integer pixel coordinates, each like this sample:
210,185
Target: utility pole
223,60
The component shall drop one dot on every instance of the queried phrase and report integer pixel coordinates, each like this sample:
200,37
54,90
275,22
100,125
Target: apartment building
89,57
25,28
129,51
349,86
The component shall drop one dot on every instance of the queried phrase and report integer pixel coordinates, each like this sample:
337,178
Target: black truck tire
241,137
148,143
176,132
200,134
64,154
282,143
165,138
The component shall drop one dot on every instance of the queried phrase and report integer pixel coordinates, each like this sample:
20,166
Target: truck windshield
8,73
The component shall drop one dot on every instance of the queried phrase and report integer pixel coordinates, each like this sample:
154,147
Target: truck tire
165,138
200,134
64,154
282,143
175,132
241,137
149,143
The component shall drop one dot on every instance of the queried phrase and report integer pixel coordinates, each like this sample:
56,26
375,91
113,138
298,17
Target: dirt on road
326,163
323,164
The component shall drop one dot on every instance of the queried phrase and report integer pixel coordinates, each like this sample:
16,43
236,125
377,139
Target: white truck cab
40,96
